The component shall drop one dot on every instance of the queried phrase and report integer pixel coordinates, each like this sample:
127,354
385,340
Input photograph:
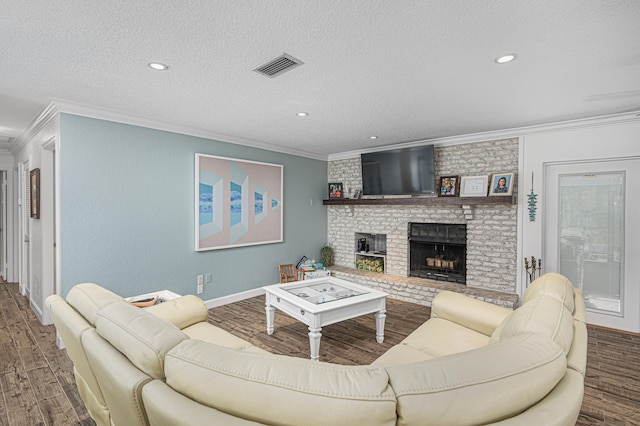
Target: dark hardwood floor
37,383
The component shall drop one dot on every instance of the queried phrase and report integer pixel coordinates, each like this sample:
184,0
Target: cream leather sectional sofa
472,363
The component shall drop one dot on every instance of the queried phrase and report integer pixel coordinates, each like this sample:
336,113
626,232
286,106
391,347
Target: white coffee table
323,301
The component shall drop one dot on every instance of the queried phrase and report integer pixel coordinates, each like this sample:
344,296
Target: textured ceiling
401,70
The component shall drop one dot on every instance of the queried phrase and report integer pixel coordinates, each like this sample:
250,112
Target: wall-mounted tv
405,171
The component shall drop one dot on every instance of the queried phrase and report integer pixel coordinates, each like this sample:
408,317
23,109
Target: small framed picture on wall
335,190
34,193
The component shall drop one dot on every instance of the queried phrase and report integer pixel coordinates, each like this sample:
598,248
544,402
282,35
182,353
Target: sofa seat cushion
480,386
212,334
401,354
140,336
543,315
282,390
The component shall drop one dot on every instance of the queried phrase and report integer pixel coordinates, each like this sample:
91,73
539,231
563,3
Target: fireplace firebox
438,251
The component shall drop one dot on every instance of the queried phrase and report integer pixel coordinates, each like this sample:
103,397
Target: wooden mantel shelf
423,201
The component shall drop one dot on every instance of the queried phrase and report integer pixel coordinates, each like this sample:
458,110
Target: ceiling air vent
278,66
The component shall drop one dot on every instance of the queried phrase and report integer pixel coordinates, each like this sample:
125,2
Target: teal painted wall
127,212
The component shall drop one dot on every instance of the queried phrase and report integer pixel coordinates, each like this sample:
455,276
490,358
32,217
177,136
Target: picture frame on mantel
474,186
502,184
335,190
34,194
448,186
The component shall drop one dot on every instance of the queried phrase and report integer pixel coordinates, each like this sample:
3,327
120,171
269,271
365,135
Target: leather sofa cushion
142,337
181,312
88,299
473,314
480,386
165,407
401,354
543,315
436,337
274,389
552,285
212,334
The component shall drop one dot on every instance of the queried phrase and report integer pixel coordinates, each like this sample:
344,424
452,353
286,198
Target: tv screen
405,171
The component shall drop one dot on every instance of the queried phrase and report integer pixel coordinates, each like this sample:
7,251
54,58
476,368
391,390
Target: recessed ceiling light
506,58
158,66
373,137
302,114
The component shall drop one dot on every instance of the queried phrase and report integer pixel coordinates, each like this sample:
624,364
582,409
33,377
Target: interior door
591,235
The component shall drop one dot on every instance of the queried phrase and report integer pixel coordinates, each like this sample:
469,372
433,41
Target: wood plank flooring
38,388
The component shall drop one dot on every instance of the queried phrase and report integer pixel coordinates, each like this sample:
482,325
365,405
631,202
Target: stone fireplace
491,230
438,251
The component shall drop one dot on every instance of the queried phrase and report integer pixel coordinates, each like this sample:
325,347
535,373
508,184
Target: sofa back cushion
71,327
88,299
480,386
553,285
142,337
274,389
544,315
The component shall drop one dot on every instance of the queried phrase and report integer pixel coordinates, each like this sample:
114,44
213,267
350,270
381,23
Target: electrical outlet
200,287
207,279
200,279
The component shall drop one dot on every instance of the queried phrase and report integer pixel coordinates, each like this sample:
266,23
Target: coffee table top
324,293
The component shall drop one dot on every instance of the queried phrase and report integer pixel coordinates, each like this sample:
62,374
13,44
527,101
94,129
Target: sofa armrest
181,312
476,315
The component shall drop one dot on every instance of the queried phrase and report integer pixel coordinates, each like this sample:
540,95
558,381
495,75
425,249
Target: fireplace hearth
438,251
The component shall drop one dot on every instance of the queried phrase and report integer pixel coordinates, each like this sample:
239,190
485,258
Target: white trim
513,133
233,298
35,126
111,115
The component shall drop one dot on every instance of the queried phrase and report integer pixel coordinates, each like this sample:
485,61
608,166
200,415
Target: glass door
591,236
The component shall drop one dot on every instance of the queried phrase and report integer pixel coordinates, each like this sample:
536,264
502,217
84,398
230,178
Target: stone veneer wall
491,234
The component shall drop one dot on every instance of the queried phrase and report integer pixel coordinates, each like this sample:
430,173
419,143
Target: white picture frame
237,202
474,186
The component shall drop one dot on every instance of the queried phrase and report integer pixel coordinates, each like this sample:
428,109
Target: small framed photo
356,194
34,188
335,190
502,184
449,186
473,186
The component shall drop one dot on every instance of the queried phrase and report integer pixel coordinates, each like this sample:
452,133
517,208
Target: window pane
591,231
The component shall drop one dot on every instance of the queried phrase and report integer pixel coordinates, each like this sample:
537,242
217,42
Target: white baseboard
232,298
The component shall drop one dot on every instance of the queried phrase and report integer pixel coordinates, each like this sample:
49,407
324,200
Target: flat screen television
405,171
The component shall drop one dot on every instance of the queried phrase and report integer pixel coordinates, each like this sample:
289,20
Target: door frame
629,319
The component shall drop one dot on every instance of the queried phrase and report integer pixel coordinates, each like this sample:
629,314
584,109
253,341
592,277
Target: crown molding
514,133
37,124
63,106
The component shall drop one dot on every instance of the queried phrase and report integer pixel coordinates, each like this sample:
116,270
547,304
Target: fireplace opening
438,251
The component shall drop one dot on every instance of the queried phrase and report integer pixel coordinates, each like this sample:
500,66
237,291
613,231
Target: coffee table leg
380,316
270,312
314,342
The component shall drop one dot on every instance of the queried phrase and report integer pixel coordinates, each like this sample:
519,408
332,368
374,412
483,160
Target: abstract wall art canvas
237,202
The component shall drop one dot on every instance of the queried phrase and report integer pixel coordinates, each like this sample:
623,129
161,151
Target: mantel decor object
335,190
449,186
502,184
